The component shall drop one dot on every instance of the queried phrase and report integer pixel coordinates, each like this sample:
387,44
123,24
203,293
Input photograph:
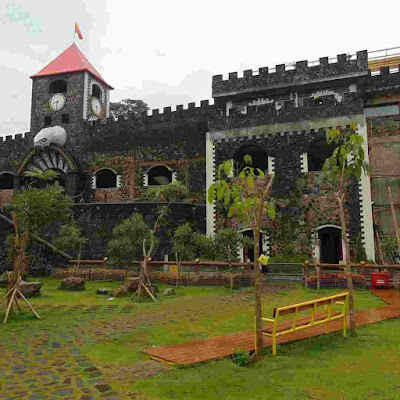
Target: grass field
86,331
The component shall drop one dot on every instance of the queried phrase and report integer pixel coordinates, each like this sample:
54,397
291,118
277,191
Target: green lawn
328,367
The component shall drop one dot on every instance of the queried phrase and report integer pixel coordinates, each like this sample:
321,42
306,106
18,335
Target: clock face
96,106
57,102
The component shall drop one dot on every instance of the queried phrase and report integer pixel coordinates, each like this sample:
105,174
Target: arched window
105,178
96,91
58,86
159,175
258,156
318,152
6,180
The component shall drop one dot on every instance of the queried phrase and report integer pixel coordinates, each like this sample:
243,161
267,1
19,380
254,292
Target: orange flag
78,31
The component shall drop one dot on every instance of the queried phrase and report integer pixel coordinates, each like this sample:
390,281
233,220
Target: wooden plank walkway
223,346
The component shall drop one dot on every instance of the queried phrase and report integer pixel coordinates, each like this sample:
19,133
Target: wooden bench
277,327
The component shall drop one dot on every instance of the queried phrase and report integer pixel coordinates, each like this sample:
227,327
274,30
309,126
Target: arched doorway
248,254
330,244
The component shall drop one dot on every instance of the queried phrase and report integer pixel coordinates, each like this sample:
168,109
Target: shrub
241,358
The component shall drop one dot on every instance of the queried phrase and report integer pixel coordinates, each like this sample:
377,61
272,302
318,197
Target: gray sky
165,52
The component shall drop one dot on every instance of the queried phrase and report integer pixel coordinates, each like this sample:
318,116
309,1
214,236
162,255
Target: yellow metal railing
328,302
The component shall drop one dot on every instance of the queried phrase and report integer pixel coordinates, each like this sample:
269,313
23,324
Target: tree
70,239
36,208
131,236
249,199
169,192
128,236
184,245
227,243
128,107
347,161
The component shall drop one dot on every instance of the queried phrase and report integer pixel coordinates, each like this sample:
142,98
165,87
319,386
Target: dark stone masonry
279,115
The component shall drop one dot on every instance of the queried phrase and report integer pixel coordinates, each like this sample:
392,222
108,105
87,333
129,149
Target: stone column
71,184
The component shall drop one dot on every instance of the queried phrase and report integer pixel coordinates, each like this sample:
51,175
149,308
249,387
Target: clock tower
68,91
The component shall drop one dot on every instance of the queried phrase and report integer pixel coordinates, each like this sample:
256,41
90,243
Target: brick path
41,361
223,346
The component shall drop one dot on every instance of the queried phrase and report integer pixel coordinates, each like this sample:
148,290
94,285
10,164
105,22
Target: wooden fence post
305,272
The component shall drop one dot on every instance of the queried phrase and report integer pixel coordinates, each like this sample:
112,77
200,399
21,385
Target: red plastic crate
380,279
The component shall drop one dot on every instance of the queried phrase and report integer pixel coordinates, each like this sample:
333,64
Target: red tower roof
70,60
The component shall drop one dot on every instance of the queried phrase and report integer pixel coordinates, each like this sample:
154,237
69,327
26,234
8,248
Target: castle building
279,116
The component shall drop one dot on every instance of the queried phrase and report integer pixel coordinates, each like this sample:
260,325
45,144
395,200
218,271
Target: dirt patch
277,287
139,370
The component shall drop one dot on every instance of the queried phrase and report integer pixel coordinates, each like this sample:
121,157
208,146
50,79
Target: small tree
248,198
169,192
347,161
184,245
226,246
70,239
37,208
132,236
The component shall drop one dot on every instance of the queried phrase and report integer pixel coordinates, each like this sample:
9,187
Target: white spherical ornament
47,136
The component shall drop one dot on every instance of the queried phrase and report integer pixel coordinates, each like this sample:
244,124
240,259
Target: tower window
6,180
65,118
258,156
96,91
47,121
58,86
318,152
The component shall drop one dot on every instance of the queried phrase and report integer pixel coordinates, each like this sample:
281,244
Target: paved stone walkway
39,361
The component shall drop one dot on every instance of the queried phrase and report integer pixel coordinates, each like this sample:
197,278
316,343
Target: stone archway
55,158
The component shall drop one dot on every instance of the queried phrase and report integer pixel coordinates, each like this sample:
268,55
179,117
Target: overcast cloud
165,52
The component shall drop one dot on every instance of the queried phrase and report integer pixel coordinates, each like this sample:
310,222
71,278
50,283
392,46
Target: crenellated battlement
18,138
385,78
267,114
291,74
182,125
156,117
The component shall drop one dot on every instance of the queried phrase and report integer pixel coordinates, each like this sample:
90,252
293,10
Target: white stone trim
174,176
280,129
93,181
85,94
145,180
118,183
367,227
271,165
107,94
304,162
228,106
210,179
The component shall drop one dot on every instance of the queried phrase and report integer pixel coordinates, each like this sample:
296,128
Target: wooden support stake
9,307
318,277
27,303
